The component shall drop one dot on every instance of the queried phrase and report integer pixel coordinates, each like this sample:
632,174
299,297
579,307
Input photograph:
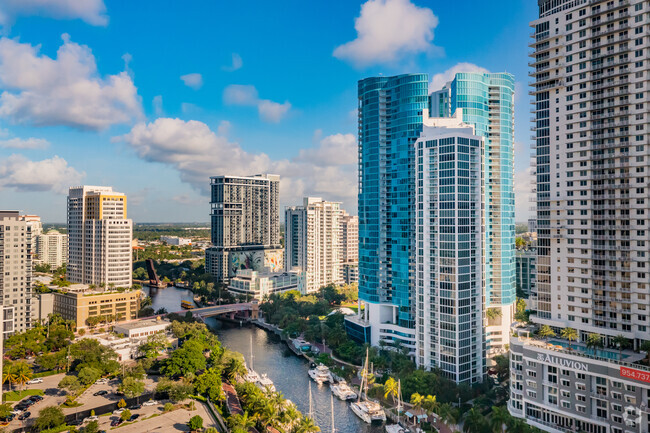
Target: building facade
99,237
245,219
15,272
349,248
52,249
390,121
312,241
79,302
487,103
450,249
591,71
176,241
525,271
258,285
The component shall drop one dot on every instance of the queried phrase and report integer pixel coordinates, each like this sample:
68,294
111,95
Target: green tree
499,419
235,368
89,375
243,422
131,387
417,400
5,410
546,332
391,389
569,334
91,427
187,359
121,403
594,341
9,374
306,425
70,384
622,343
23,372
49,417
209,383
473,421
519,242
179,391
493,313
125,415
154,344
430,403
168,407
502,366
195,423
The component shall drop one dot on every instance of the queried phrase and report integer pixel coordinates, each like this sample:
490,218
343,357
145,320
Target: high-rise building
487,103
390,121
245,225
312,241
99,237
349,248
15,272
591,70
52,248
450,249
526,274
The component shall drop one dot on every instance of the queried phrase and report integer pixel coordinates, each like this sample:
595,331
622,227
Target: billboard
256,260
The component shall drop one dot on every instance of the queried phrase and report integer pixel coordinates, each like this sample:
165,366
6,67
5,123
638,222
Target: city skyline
163,113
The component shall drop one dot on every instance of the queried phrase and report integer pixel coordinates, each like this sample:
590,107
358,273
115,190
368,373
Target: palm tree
499,419
243,422
645,346
445,413
235,369
594,341
306,425
621,342
23,373
391,388
9,374
569,334
430,403
546,332
473,421
417,400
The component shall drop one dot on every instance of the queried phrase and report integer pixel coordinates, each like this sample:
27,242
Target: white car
36,380
91,419
150,403
102,381
118,411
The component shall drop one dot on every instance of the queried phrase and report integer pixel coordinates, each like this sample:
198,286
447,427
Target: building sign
561,362
631,373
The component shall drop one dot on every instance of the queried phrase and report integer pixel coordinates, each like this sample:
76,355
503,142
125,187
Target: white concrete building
258,285
176,241
591,71
312,241
52,248
349,248
142,328
15,272
99,237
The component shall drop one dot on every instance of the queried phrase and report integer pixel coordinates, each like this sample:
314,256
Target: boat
343,391
320,374
252,375
368,410
265,383
395,428
187,305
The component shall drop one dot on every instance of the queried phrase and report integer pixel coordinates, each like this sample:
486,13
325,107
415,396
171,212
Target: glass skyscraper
487,103
390,121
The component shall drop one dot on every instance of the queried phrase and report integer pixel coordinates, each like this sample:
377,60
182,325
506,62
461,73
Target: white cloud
195,81
272,112
52,174
523,183
68,90
237,63
91,11
247,96
24,143
157,104
439,80
189,108
224,128
197,153
388,31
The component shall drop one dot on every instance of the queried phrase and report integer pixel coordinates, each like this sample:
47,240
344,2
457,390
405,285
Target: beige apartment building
79,303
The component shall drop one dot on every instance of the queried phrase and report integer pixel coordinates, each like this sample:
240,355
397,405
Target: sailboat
365,409
332,410
263,382
252,375
397,428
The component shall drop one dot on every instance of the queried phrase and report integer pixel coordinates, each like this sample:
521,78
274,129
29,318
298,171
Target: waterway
271,356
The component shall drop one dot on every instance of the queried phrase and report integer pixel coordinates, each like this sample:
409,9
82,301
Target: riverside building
52,248
312,241
349,248
245,225
99,237
591,71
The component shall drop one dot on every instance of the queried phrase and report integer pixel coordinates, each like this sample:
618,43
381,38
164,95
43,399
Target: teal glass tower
390,121
487,102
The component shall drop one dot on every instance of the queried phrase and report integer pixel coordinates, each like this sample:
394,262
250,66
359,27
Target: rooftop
143,323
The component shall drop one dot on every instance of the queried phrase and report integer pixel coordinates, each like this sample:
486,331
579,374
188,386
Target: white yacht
343,391
265,383
320,374
365,409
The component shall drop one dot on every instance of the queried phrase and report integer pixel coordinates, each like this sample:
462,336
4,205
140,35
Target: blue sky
91,92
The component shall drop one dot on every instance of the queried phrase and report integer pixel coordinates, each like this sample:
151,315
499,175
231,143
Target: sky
154,97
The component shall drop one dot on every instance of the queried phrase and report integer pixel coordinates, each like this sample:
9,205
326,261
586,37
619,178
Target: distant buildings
257,285
349,248
176,241
52,249
313,241
526,275
15,272
245,225
99,237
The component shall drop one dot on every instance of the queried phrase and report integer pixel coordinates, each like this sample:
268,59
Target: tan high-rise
99,237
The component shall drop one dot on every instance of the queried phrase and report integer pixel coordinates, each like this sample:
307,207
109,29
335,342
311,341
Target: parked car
116,422
35,380
135,407
36,398
118,411
91,419
75,422
102,392
102,381
150,403
134,417
24,416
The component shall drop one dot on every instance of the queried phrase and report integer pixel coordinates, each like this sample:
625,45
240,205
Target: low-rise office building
257,285
176,241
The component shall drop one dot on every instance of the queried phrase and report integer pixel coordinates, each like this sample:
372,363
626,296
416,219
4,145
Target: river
271,356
